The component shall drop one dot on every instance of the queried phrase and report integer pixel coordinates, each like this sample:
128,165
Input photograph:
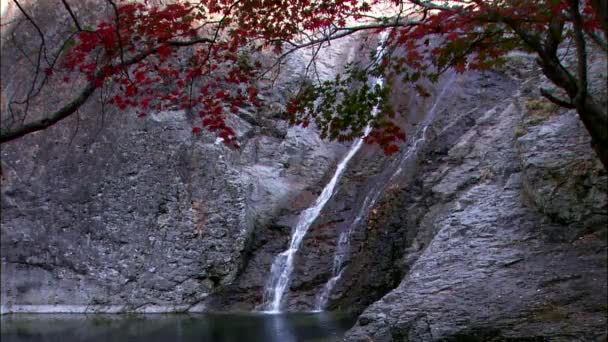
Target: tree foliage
210,57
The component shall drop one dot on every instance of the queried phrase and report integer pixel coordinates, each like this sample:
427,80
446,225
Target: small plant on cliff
211,56
539,110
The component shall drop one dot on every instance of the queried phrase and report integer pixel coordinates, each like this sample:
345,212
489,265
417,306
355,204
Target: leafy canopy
212,56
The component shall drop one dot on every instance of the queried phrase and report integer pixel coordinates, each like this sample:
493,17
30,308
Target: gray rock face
388,228
494,229
504,233
110,212
371,198
143,214
562,183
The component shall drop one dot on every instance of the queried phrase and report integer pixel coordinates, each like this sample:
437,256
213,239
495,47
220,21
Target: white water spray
282,266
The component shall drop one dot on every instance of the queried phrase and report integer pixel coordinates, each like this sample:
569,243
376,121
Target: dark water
317,327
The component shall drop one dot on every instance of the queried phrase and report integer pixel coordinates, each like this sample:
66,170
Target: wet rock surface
505,233
371,197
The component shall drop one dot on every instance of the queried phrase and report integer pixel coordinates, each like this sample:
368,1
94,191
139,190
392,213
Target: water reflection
317,327
278,329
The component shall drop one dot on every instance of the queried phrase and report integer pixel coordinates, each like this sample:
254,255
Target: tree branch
603,44
67,7
67,110
563,103
554,35
59,115
581,53
122,51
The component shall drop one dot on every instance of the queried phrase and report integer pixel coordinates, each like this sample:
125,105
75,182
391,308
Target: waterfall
343,245
282,266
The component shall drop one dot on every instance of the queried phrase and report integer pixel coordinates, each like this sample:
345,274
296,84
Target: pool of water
293,327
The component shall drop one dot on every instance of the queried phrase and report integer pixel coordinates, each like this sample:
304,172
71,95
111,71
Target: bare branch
121,48
29,18
76,129
67,7
581,53
51,119
331,36
12,134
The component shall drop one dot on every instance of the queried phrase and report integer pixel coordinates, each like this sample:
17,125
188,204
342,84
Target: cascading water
343,245
421,136
282,266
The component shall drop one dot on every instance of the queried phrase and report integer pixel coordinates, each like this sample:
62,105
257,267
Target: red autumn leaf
145,102
131,90
140,76
391,149
218,78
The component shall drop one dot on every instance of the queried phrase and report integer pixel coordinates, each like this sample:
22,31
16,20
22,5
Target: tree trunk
595,119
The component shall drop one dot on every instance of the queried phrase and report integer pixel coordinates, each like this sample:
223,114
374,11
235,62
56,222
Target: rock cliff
500,232
110,212
489,225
